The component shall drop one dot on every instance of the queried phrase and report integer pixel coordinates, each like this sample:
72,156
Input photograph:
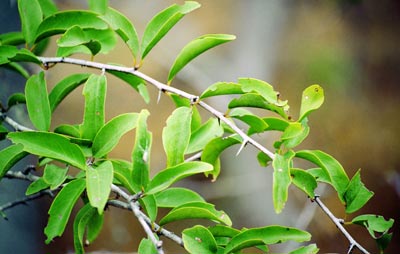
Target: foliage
86,146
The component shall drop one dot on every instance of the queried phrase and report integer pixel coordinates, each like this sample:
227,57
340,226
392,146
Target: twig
23,200
14,124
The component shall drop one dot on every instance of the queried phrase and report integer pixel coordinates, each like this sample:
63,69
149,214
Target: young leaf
222,88
176,135
304,181
174,197
31,16
169,176
99,6
256,124
356,195
64,87
309,249
196,210
98,184
146,246
337,176
312,99
56,147
137,83
281,179
195,48
161,23
251,85
295,133
54,176
203,135
109,135
266,235
95,95
37,102
9,156
36,186
199,239
61,208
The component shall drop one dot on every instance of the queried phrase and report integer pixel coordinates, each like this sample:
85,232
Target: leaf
98,184
3,132
374,223
256,124
137,83
169,176
9,156
95,95
109,135
61,208
276,124
48,7
281,179
184,102
337,176
263,159
208,131
195,48
141,152
13,54
37,102
251,85
176,135
222,88
36,186
99,6
62,21
65,87
18,68
150,205
56,147
266,235
69,130
199,239
31,15
356,195
304,181
122,173
161,23
196,210
220,230
16,98
54,176
295,133
12,38
174,197
146,246
309,249
312,99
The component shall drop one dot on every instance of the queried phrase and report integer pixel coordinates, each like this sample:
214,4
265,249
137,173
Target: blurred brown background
350,48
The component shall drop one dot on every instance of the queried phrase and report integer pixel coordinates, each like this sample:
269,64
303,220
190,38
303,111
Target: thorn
242,146
351,248
159,96
103,71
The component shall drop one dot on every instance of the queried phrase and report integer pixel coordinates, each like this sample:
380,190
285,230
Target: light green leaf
31,16
312,99
374,223
69,130
320,175
304,181
256,124
173,197
95,95
176,135
337,176
48,7
54,176
184,102
222,88
276,124
109,135
36,186
195,48
98,184
61,208
9,156
161,23
199,239
150,205
295,133
203,135
281,179
356,195
137,83
37,102
252,85
309,249
13,54
146,246
196,210
65,87
122,173
266,235
169,176
99,6
220,230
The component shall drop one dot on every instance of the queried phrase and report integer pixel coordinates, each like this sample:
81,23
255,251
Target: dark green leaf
15,99
281,179
3,132
146,246
9,156
94,226
161,23
31,16
312,99
13,54
383,241
356,195
374,223
69,130
61,208
263,159
137,83
222,88
304,181
54,176
255,123
174,197
81,221
309,249
37,102
56,147
199,239
98,184
12,38
203,135
18,68
36,186
99,6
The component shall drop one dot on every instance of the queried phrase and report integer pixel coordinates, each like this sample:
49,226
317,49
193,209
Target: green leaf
295,133
312,99
99,6
137,83
62,21
124,28
31,16
169,176
98,184
18,68
276,124
36,186
48,7
263,159
309,249
65,87
374,223
256,124
37,102
61,208
161,23
304,181
54,176
220,230
13,54
281,179
146,246
383,241
337,176
69,130
9,156
95,95
3,132
222,88
252,85
141,152
174,197
122,173
195,48
184,102
56,147
356,195
12,38
196,210
109,135
320,175
266,235
15,99
149,203
199,239
176,135
203,135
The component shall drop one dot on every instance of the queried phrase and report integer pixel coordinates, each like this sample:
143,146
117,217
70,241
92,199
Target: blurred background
349,47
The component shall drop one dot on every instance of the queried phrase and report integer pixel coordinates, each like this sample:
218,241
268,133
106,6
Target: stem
14,124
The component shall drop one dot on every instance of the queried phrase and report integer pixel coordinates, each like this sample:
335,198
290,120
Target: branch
14,124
